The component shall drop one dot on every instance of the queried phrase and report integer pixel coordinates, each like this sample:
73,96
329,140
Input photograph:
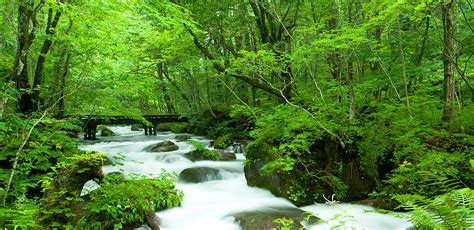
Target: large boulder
215,155
69,177
277,183
199,174
267,219
339,173
165,146
182,137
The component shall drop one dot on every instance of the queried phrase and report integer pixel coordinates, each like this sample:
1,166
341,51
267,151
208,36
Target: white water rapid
209,205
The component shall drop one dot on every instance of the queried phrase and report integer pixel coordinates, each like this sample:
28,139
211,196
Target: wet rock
225,156
165,146
265,219
214,155
277,183
199,174
182,137
136,127
106,132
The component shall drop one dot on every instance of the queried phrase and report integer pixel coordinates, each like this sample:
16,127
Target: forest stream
212,203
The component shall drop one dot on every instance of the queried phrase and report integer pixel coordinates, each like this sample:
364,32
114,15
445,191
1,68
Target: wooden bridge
92,121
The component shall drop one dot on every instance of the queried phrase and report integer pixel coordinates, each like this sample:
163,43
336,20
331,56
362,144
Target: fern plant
452,210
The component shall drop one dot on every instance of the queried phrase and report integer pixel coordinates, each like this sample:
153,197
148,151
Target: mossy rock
224,141
266,219
105,132
199,174
182,137
136,127
64,189
165,146
225,156
213,155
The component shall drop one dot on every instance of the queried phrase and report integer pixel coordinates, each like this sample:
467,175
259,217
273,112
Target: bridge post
89,131
155,124
146,130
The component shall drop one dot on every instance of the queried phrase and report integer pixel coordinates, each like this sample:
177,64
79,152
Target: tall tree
27,13
447,11
52,23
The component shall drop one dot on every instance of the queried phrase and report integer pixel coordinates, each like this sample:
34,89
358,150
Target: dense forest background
383,87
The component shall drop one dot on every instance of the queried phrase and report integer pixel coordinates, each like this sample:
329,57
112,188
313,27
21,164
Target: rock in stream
165,146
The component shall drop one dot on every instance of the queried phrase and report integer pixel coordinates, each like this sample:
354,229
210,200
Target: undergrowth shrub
128,202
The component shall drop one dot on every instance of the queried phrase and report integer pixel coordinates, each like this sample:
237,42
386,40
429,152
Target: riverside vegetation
369,100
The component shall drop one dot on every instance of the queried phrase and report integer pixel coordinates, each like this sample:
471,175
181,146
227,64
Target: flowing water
209,205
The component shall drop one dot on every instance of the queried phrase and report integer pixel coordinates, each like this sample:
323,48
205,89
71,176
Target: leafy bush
127,202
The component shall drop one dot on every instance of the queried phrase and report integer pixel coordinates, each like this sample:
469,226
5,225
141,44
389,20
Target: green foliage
417,152
224,141
20,214
62,189
122,203
452,210
287,141
51,141
284,223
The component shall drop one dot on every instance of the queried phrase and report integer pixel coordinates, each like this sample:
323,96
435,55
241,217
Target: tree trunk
447,9
47,43
404,71
164,90
20,70
63,87
26,13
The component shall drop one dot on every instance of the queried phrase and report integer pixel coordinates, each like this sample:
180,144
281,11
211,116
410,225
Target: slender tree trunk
424,42
350,72
163,88
47,43
20,69
447,9
178,89
404,71
61,103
